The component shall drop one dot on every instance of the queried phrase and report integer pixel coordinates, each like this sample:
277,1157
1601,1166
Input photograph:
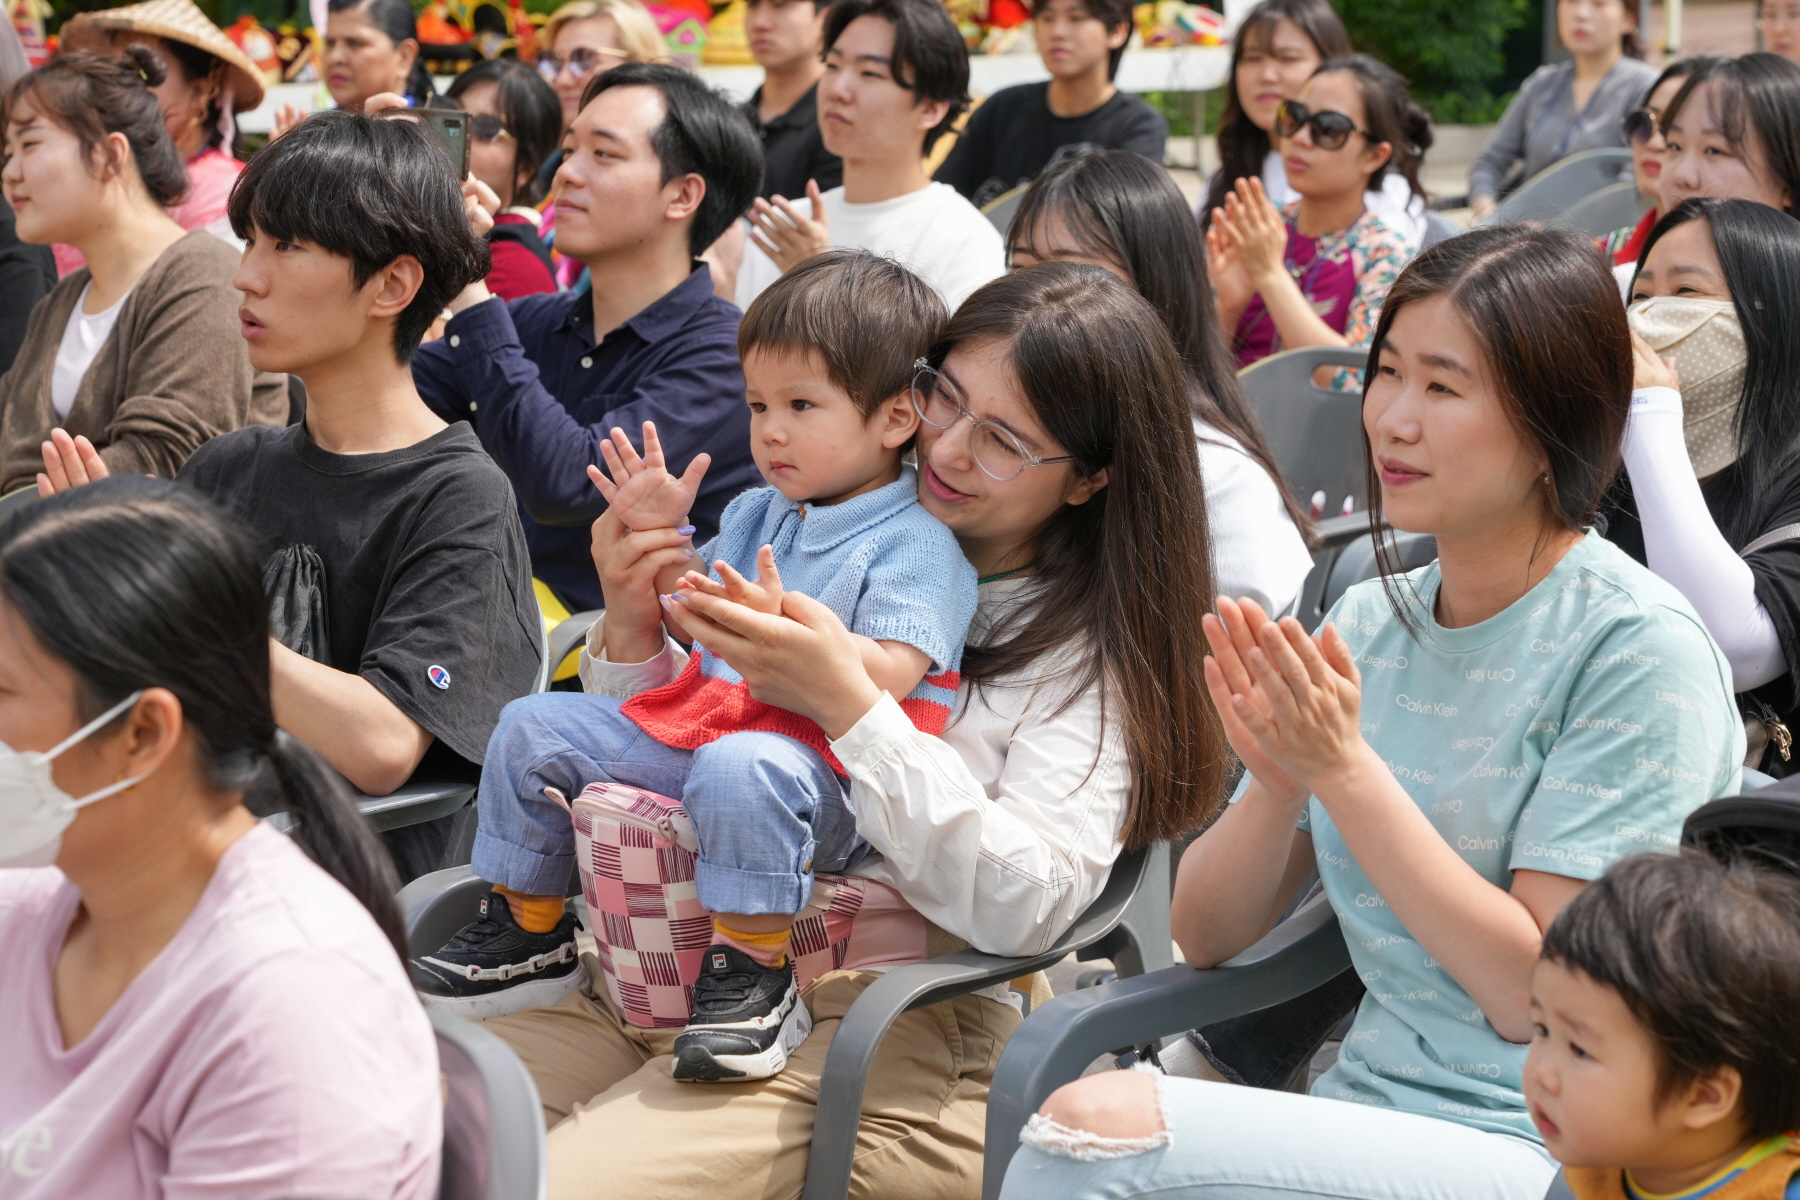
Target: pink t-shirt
274,1049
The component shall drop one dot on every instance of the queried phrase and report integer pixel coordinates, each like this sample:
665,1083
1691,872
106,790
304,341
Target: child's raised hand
762,594
641,492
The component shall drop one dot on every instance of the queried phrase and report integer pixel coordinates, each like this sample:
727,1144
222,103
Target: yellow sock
769,949
535,914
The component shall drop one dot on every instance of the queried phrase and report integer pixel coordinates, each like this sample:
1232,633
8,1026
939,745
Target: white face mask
33,810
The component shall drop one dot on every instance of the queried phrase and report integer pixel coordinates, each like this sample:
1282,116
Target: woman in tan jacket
139,351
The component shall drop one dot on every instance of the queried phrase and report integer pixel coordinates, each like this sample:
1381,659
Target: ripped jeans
1225,1142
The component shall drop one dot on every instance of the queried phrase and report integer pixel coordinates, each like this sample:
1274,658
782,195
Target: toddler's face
1590,1076
809,439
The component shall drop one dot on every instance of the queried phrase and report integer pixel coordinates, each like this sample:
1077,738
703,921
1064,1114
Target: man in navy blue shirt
660,167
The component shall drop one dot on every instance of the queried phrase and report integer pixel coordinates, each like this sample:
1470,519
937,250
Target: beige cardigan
174,373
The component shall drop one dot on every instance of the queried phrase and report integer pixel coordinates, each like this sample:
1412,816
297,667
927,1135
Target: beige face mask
1707,344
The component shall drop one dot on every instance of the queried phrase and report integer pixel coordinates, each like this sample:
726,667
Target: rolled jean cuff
522,870
750,893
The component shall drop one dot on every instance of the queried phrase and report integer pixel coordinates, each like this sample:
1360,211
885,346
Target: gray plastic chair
1438,228
1314,433
999,211
1608,209
1058,1041
1335,535
13,501
493,1120
1128,923
1357,563
1548,195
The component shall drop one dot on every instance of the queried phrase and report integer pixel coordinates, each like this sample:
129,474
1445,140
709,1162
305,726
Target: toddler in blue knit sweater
829,354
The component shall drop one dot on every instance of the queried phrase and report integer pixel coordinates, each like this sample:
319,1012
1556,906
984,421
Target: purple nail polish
686,530
679,598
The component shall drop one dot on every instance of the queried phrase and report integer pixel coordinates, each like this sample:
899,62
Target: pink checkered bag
636,852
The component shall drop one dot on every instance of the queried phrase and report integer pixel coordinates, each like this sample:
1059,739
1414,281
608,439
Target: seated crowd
925,568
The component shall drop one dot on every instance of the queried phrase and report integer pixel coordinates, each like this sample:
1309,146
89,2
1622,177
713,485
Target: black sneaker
492,967
747,1018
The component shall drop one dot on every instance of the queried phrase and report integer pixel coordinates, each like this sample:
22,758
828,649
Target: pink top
273,1049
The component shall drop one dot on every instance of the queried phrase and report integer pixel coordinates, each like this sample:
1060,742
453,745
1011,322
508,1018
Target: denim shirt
542,392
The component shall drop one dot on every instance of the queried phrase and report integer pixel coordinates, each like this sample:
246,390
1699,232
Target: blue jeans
768,809
1240,1143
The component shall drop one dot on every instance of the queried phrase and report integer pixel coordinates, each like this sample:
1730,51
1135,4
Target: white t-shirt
933,232
81,341
1257,552
274,1049
1395,204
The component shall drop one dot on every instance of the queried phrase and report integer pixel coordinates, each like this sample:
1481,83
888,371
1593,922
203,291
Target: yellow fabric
552,612
535,914
1766,1168
775,944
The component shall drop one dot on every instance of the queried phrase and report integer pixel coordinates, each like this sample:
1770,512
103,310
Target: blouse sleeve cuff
622,681
880,731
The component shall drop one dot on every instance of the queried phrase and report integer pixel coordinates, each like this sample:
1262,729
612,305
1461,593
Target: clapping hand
784,234
762,593
68,463
641,492
1259,233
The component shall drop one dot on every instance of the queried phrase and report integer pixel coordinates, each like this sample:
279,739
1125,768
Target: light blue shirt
1582,724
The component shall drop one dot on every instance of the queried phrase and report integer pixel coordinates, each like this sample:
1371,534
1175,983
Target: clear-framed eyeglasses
996,450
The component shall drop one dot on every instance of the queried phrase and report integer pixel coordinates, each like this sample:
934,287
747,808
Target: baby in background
1666,1060
829,353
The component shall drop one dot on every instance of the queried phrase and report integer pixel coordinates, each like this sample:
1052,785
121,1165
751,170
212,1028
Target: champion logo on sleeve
440,678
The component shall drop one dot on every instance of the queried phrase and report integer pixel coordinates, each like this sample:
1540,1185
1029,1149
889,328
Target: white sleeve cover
1685,547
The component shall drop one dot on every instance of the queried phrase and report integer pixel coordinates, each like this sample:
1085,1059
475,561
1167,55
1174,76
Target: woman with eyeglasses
1314,272
1274,52
515,123
1643,133
371,47
1565,108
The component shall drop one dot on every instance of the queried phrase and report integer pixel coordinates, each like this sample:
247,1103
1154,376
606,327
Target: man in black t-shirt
787,39
1021,130
400,585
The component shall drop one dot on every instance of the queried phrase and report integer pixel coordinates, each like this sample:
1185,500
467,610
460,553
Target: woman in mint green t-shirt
1457,752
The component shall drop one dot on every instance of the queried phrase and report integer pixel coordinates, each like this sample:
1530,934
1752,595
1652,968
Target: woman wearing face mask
1733,132
1643,130
1275,51
1118,211
1453,754
1314,273
1565,108
195,1003
1712,450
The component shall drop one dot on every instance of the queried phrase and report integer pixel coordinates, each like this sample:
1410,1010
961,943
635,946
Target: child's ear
1711,1098
899,420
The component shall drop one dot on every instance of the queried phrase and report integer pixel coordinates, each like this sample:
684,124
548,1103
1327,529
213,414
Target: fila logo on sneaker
718,963
484,904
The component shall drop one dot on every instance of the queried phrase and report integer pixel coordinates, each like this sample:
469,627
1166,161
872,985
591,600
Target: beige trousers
621,1127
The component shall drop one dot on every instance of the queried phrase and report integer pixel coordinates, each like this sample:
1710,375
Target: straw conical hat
175,21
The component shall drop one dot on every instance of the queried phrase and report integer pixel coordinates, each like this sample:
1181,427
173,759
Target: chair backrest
999,211
1610,208
1357,563
1438,228
493,1120
13,501
1546,195
1314,433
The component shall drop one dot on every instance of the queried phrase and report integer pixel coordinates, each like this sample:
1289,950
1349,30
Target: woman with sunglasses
515,123
1565,108
1313,273
595,35
1643,133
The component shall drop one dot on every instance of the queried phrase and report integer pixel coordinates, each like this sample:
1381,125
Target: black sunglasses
1639,124
486,128
1330,129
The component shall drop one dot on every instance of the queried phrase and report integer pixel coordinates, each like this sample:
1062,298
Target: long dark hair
1095,363
1243,146
1389,114
96,95
395,18
1706,955
1564,383
1759,251
530,111
1122,207
137,582
195,63
1759,92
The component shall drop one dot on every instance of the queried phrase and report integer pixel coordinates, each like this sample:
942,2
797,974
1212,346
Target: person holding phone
515,124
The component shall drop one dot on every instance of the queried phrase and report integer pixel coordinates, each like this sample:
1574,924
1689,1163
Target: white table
1187,69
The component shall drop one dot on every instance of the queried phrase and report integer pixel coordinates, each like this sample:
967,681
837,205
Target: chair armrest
413,803
569,634
1059,1040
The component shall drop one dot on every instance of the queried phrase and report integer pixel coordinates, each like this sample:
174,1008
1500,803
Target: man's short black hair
370,190
1110,13
930,59
702,133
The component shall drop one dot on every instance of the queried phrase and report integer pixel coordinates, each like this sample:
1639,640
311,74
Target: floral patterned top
1346,276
